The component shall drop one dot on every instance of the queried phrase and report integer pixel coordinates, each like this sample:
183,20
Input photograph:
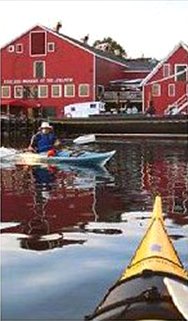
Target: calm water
68,233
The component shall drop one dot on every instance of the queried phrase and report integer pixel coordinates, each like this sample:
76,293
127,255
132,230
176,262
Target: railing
178,106
121,96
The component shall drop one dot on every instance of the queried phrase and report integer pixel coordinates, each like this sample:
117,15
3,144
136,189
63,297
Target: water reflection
147,168
62,196
85,222
54,199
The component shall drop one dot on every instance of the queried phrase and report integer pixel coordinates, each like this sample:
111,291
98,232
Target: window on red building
30,91
166,70
5,92
156,90
69,90
56,91
39,69
51,46
10,48
38,43
181,72
19,48
171,90
43,91
83,90
18,91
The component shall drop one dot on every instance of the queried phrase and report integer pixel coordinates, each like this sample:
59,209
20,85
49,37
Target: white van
84,109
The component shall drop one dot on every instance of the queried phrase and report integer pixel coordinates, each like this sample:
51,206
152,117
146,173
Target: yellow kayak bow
154,286
156,251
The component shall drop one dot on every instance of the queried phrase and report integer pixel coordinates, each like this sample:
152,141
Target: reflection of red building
162,177
54,204
67,208
59,213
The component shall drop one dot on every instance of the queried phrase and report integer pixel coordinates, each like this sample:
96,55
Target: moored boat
154,286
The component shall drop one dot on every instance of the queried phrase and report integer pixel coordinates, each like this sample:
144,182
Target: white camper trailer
84,109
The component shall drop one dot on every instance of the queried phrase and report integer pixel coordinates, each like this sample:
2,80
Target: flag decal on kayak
155,248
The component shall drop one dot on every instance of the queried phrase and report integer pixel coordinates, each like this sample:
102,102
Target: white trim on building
159,65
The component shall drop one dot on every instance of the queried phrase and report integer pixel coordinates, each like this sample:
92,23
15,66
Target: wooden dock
131,126
109,125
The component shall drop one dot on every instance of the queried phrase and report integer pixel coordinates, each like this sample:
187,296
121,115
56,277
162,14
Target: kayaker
43,140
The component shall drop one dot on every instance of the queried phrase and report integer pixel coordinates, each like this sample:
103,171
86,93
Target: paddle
85,139
179,295
81,140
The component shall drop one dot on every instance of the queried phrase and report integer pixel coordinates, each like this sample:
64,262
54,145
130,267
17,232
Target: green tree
111,46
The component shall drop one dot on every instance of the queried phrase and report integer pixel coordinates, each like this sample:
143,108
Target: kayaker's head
45,127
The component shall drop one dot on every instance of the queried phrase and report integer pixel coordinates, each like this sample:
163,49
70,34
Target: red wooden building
166,87
48,70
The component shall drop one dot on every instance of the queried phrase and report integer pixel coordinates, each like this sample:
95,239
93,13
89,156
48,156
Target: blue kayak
83,158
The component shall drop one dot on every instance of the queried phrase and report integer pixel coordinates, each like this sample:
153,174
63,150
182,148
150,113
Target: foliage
111,46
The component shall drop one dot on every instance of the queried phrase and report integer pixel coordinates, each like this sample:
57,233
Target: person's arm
33,144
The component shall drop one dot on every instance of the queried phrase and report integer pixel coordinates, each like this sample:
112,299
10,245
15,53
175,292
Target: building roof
158,66
86,46
133,65
141,64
